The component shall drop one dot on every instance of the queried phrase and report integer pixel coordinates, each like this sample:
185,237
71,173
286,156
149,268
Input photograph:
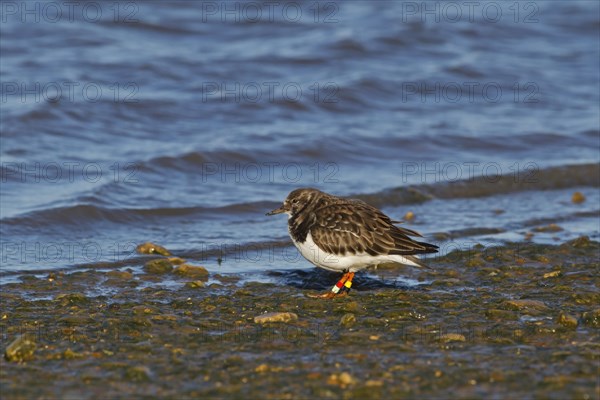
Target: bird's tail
417,262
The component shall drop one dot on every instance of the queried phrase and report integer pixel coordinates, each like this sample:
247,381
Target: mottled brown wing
356,227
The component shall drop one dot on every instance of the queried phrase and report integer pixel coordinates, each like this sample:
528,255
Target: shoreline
520,321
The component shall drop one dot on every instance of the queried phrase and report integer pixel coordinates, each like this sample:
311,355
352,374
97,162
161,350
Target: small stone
125,275
567,320
352,306
191,271
348,319
528,236
275,317
142,310
548,228
441,236
474,262
151,248
176,260
262,368
374,321
164,317
452,337
409,216
501,315
447,282
72,299
578,198
552,274
344,379
138,373
226,278
21,349
160,266
373,383
526,305
580,242
69,354
195,284
592,318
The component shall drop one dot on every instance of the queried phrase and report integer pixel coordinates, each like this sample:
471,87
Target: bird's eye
295,201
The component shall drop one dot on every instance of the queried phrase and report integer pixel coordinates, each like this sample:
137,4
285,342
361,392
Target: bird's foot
340,289
327,295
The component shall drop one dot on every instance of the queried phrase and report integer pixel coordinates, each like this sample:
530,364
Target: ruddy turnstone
347,235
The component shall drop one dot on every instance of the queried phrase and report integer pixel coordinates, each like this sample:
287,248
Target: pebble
348,319
441,236
191,271
275,317
552,274
138,373
527,305
69,354
409,216
452,337
529,236
195,284
151,248
578,198
160,266
500,315
351,307
567,320
475,262
72,298
262,368
592,318
21,349
343,379
580,242
548,228
125,275
176,260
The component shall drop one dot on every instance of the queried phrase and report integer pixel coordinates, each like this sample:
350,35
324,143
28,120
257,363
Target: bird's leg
341,288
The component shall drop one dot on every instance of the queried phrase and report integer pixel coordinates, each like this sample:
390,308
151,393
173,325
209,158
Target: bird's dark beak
277,211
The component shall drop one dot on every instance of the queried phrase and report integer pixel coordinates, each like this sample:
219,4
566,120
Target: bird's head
297,201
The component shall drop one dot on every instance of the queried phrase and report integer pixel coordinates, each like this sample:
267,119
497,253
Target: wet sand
518,321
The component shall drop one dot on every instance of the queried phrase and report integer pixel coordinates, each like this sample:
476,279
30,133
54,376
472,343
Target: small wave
553,178
350,46
555,219
393,41
83,214
465,71
43,113
155,27
193,160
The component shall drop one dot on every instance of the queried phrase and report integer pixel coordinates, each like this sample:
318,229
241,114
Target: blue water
184,122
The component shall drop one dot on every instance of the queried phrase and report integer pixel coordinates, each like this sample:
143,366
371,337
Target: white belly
349,262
